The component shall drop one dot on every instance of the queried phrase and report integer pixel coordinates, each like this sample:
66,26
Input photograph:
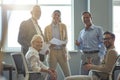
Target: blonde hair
35,37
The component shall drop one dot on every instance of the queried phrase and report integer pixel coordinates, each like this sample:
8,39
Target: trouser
99,75
58,56
84,57
37,76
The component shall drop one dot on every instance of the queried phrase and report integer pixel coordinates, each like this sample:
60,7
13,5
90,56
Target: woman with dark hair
58,53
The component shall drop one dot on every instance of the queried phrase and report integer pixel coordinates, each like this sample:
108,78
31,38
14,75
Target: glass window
54,1
19,1
116,26
16,16
35,1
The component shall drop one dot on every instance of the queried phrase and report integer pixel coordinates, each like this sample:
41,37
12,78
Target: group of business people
98,50
32,45
91,41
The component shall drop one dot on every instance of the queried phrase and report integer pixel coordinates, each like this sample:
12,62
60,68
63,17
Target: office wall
79,7
102,13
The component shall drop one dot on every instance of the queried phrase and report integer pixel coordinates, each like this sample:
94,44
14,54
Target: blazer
108,63
26,32
48,33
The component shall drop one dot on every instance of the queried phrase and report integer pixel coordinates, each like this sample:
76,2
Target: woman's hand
53,74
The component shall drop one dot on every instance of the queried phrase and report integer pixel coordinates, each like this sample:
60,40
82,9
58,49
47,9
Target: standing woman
58,53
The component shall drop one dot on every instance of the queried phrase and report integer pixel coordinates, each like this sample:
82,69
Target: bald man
28,29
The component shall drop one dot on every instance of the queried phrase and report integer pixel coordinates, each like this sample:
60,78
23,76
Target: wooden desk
10,68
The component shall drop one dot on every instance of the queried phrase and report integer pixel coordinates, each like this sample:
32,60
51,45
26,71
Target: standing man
58,53
29,28
90,41
102,71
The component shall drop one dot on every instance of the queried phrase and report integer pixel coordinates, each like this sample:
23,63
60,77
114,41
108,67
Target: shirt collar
34,22
91,27
33,49
54,25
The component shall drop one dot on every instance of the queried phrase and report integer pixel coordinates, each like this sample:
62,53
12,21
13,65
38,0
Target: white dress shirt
33,60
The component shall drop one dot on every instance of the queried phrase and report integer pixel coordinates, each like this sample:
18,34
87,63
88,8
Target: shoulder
25,22
97,27
48,26
62,24
112,52
82,31
30,54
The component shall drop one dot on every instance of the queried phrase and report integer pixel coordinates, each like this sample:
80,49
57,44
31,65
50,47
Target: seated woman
34,63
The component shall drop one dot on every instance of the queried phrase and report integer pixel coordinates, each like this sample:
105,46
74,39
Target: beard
108,46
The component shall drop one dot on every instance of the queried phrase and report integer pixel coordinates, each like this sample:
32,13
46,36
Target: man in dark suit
28,29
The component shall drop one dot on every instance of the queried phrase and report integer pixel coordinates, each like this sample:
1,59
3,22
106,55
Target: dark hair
86,13
110,33
57,11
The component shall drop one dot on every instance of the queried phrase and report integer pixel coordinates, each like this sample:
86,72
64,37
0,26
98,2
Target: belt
87,52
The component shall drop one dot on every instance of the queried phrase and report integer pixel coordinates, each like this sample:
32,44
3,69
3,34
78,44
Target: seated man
34,64
102,71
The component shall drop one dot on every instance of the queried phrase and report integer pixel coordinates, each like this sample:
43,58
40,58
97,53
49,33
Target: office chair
21,65
84,77
116,67
79,77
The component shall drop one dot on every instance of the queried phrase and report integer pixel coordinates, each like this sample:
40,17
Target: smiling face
108,41
56,16
37,42
86,18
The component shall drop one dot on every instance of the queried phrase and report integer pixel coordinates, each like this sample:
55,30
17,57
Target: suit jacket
108,63
26,32
63,33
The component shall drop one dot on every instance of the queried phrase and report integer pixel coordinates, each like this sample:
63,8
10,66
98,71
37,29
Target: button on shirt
92,39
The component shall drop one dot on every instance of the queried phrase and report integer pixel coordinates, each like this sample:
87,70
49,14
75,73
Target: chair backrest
20,63
115,67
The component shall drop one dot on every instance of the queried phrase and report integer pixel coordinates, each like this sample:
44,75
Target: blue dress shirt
92,39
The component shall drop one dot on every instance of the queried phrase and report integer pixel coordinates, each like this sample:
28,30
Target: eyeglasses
107,38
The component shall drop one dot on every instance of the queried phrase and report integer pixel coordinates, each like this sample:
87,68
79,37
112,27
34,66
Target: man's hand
87,66
52,45
77,43
64,45
47,52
